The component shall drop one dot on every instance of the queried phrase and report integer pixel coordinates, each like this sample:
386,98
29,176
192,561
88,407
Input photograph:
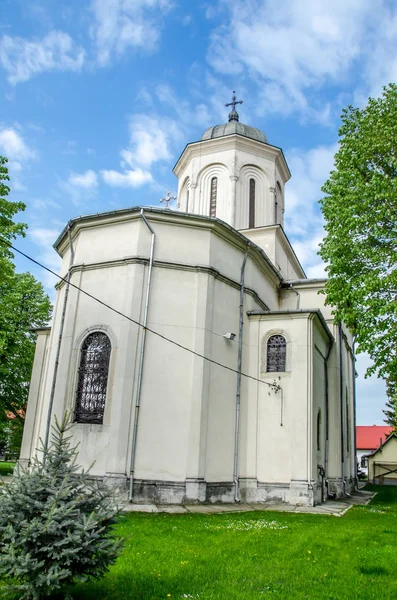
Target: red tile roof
369,436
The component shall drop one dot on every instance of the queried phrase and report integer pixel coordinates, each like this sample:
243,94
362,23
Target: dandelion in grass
260,524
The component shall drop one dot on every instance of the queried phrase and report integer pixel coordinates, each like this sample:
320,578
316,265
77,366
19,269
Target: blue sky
99,97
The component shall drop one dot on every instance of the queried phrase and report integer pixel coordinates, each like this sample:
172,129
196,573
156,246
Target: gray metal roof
231,128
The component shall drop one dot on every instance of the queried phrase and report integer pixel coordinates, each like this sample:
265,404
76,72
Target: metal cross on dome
167,199
233,115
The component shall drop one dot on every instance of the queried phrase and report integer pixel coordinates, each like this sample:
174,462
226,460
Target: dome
234,127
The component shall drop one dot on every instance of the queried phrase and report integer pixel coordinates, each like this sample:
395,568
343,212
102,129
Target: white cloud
85,180
131,178
151,140
291,49
123,24
14,147
22,59
303,220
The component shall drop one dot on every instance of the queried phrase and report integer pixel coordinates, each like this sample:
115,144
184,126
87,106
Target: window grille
92,378
276,353
214,190
251,219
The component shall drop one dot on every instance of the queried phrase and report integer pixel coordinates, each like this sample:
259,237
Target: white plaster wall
273,241
282,420
187,414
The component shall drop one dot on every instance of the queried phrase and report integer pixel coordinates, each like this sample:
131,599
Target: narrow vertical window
251,221
214,189
92,378
187,201
278,206
276,353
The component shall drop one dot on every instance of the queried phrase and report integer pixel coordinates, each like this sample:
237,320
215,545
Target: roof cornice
233,141
173,218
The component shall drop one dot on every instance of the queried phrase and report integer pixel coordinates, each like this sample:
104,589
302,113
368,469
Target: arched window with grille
251,218
92,378
214,191
276,354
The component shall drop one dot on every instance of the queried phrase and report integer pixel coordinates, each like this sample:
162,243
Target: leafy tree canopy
9,230
23,306
360,247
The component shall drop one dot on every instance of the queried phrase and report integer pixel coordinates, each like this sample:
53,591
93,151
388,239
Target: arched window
251,218
319,430
92,378
276,352
214,190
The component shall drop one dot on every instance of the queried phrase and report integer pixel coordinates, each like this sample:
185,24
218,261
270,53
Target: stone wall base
194,491
338,488
251,491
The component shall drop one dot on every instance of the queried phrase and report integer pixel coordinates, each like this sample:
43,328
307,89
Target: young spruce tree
55,523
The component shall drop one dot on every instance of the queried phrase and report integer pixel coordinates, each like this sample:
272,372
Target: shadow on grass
125,586
373,570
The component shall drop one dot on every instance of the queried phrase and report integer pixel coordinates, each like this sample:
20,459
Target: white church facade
220,375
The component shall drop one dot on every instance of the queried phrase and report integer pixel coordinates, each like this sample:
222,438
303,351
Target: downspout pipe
58,350
342,435
298,296
326,450
141,357
354,412
239,367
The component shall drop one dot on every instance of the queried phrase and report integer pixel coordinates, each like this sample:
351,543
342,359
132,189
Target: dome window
213,194
251,218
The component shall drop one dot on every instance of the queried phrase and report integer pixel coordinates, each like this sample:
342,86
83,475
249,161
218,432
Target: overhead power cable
275,386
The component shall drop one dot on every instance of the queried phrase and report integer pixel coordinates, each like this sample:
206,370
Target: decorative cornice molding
140,260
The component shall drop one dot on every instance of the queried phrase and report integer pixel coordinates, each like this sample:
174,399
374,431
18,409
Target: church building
197,360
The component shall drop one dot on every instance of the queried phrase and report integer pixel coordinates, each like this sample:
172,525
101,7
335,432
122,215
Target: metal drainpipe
58,352
342,437
141,359
298,296
326,450
239,366
354,413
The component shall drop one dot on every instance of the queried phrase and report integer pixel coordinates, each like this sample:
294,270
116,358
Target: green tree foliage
360,247
9,230
390,411
23,306
55,523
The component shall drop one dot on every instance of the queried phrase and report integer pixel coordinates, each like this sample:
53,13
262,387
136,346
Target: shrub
55,523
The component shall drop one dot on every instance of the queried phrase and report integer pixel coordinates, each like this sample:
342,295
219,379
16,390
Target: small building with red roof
368,440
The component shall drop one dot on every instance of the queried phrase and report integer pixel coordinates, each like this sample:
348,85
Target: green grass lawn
255,555
6,468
